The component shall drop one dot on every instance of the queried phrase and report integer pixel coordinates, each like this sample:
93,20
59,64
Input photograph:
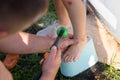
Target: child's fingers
70,36
68,43
58,55
53,52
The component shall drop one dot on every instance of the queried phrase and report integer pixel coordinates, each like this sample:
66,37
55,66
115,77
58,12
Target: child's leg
77,16
61,13
4,73
63,20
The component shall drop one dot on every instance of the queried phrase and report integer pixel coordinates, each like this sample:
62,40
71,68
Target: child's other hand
66,42
51,64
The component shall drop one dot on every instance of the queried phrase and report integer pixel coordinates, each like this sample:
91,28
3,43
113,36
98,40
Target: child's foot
74,51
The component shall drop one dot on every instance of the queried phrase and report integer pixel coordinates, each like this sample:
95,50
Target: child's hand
51,64
66,42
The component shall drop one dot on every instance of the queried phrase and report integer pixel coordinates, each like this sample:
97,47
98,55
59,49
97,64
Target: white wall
110,13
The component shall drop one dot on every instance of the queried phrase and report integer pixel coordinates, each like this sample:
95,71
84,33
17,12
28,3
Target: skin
24,43
62,13
55,57
74,11
21,40
4,72
14,41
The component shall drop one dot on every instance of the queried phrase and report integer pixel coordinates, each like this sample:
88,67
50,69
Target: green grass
49,17
27,67
111,73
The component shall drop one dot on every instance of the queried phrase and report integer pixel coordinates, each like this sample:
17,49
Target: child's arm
25,43
62,13
77,16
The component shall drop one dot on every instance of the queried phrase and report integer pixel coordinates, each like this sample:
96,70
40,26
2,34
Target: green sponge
65,31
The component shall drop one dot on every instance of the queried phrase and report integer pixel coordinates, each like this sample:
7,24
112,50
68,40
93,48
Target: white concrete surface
110,14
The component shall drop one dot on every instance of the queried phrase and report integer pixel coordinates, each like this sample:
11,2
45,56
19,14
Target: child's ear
3,33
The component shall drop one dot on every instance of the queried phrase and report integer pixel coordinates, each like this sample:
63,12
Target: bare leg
61,13
63,18
77,16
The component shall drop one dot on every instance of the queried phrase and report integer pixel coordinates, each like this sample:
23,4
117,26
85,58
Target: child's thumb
53,51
